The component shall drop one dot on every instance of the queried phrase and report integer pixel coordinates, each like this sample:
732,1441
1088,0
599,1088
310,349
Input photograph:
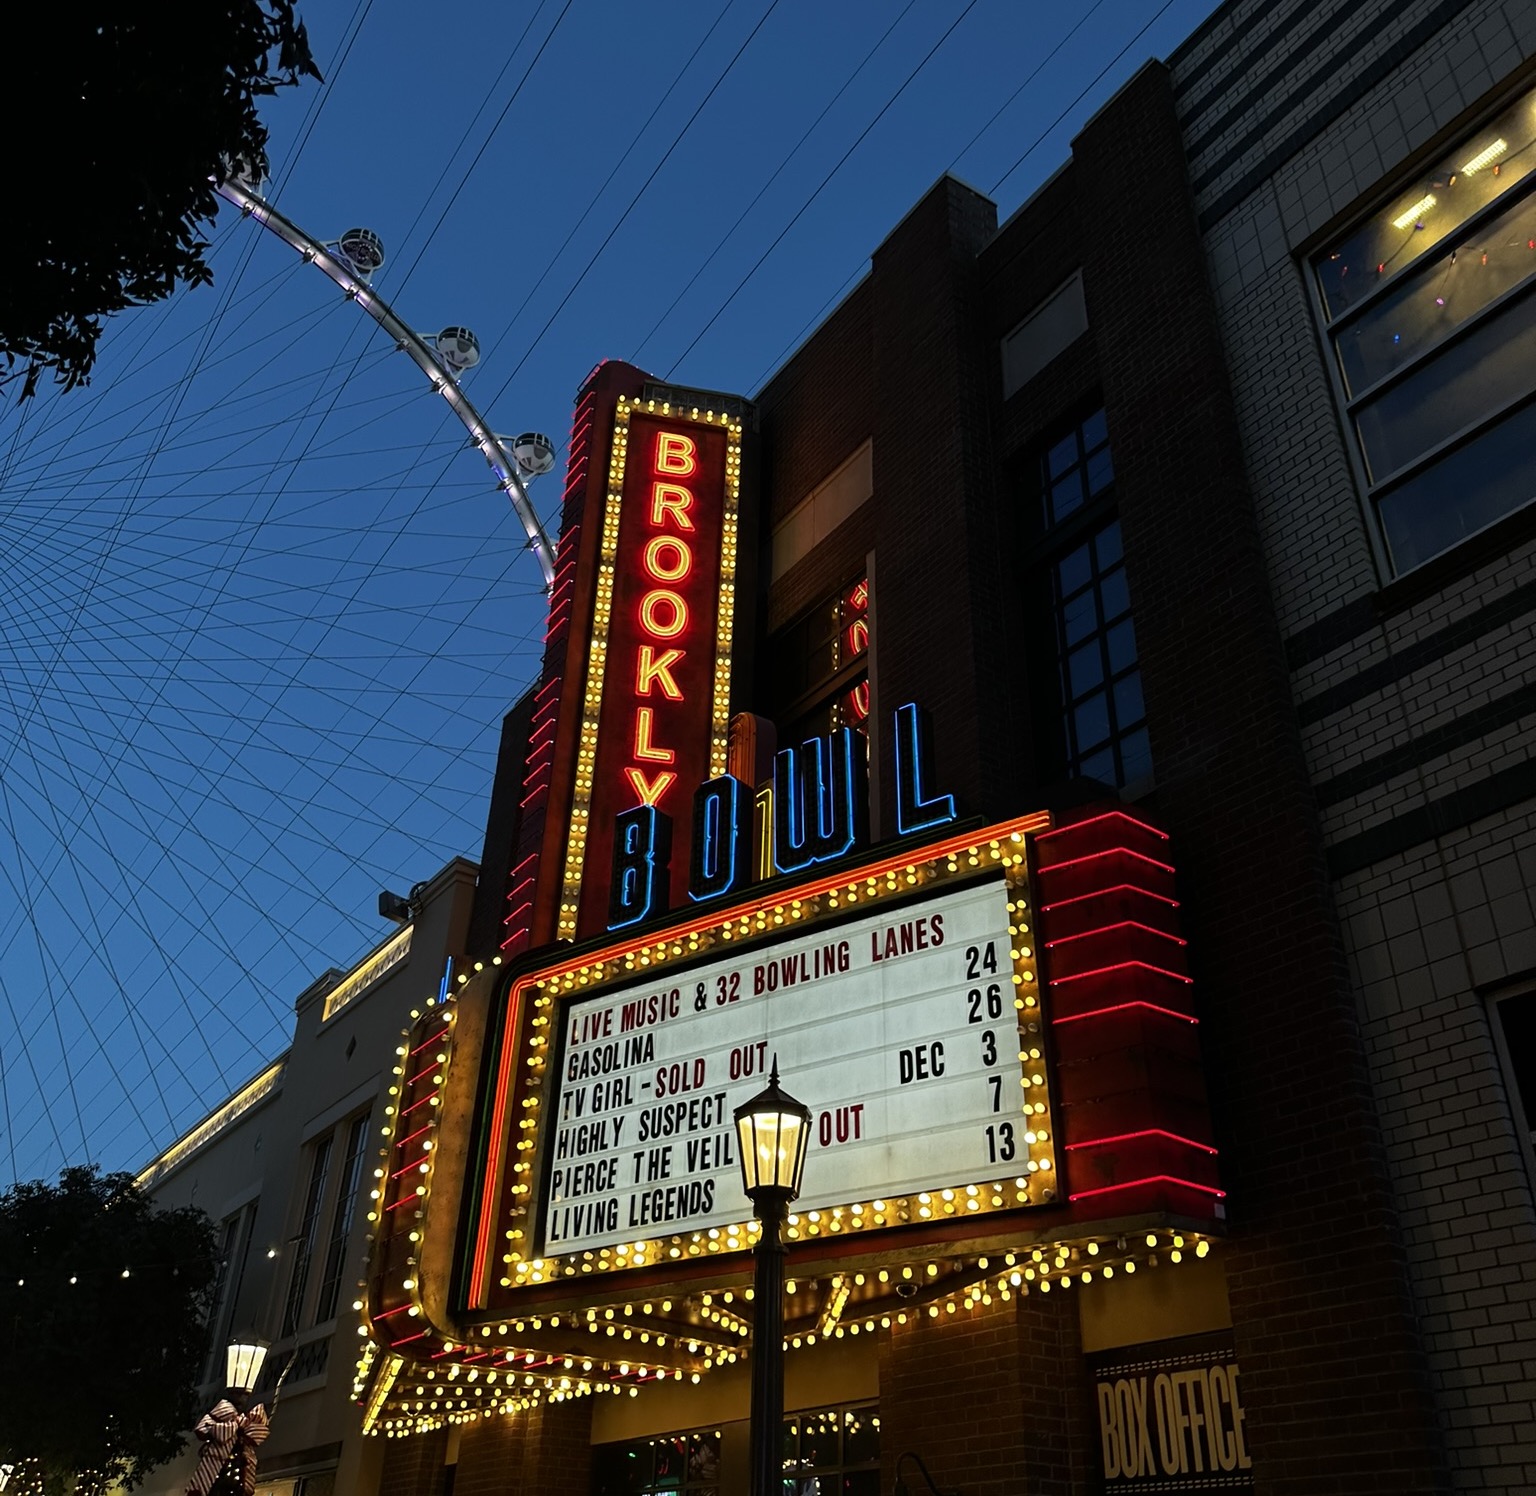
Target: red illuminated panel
655,721
1131,1097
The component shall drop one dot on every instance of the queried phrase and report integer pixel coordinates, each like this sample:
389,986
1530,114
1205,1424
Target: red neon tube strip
1104,893
1108,815
1146,1132
1122,1007
1130,1184
1056,867
1104,971
1124,924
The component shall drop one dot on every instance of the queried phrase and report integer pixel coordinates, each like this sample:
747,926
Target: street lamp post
772,1131
232,1431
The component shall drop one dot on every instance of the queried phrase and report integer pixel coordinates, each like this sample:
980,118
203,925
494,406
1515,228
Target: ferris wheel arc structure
350,263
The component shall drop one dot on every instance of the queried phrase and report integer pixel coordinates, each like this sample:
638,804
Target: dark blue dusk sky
263,610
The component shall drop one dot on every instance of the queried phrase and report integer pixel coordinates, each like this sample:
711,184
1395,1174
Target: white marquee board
898,1030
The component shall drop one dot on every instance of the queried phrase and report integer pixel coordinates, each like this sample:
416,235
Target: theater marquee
898,1029
900,1000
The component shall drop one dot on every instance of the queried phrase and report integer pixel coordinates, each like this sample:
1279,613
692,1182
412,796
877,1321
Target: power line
624,216
822,185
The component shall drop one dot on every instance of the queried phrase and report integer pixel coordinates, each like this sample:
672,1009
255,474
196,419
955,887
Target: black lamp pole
773,1131
772,1207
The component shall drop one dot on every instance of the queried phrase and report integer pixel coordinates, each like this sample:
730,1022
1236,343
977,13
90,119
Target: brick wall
942,582
414,1466
546,1449
994,1402
818,409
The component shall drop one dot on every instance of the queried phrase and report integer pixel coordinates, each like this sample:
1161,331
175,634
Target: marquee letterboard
898,1029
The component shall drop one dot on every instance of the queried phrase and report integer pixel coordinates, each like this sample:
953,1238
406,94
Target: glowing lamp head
773,1131
244,1362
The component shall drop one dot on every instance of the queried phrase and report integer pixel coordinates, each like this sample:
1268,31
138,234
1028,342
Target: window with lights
687,1464
833,1450
1429,314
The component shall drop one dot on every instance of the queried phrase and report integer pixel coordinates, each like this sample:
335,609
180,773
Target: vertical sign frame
655,717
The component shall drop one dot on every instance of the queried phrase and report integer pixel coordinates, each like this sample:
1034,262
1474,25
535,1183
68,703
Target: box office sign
1170,1417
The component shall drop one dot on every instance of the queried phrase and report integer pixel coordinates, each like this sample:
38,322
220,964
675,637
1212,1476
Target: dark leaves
137,105
77,1322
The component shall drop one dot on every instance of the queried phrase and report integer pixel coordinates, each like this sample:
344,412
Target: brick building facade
1147,503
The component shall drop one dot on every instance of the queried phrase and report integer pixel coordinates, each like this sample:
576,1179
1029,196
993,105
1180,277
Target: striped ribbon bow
229,1437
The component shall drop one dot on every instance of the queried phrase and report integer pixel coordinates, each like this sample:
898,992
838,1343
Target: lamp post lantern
773,1131
243,1363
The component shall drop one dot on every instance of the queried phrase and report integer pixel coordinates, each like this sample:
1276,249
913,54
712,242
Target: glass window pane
1066,495
1106,545
341,1221
1073,571
862,1483
1062,455
1114,594
1128,704
304,1247
1100,765
704,1457
670,1457
1491,365
861,1436
619,1469
1085,668
1517,1024
1095,431
1122,646
820,1440
1100,471
1079,616
1464,491
1136,755
1090,721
